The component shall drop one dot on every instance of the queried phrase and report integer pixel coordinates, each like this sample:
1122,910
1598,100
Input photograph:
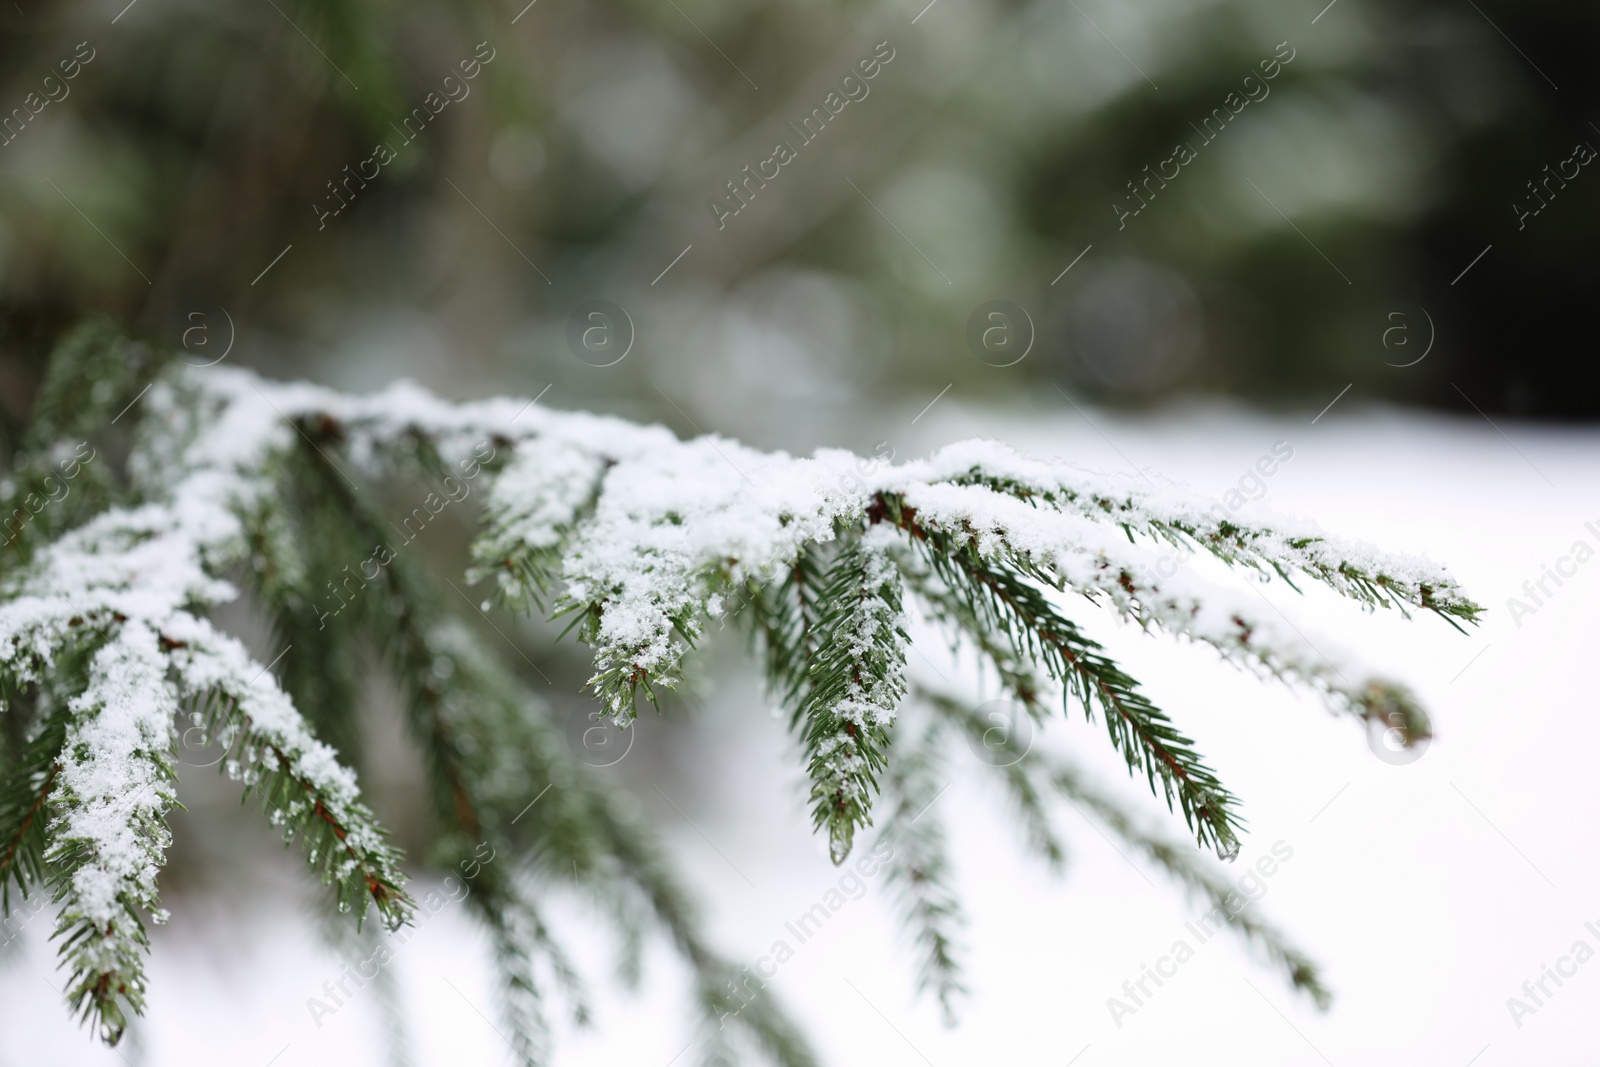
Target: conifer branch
918,865
299,552
108,832
533,511
423,652
522,1001
1009,602
855,682
1102,563
488,740
1028,797
22,859
785,617
640,538
30,779
57,480
964,622
400,615
300,783
1040,777
1181,520
725,1012
1187,868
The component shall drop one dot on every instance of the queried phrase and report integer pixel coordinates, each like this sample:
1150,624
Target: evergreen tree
640,539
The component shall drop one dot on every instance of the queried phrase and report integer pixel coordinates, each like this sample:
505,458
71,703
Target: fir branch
534,507
963,623
34,703
321,672
628,870
1018,777
1182,520
107,832
801,621
486,741
1039,777
522,1002
473,741
300,548
1187,868
918,863
297,777
396,614
856,680
542,942
785,617
1070,553
760,1020
24,811
94,370
1008,603
501,743
672,528
54,481
490,749
649,535
577,832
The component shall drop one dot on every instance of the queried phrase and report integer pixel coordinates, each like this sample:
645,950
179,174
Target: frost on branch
989,539
532,511
856,683
640,538
120,588
108,834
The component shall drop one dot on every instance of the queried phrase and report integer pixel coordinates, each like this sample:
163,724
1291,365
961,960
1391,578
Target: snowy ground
1429,891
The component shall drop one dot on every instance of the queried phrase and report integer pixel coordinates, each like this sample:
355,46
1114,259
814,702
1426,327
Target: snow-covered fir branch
855,683
639,537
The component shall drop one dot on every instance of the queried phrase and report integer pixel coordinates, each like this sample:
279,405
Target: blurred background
1318,240
1380,212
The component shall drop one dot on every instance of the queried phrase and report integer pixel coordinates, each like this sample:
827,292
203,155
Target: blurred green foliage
987,156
